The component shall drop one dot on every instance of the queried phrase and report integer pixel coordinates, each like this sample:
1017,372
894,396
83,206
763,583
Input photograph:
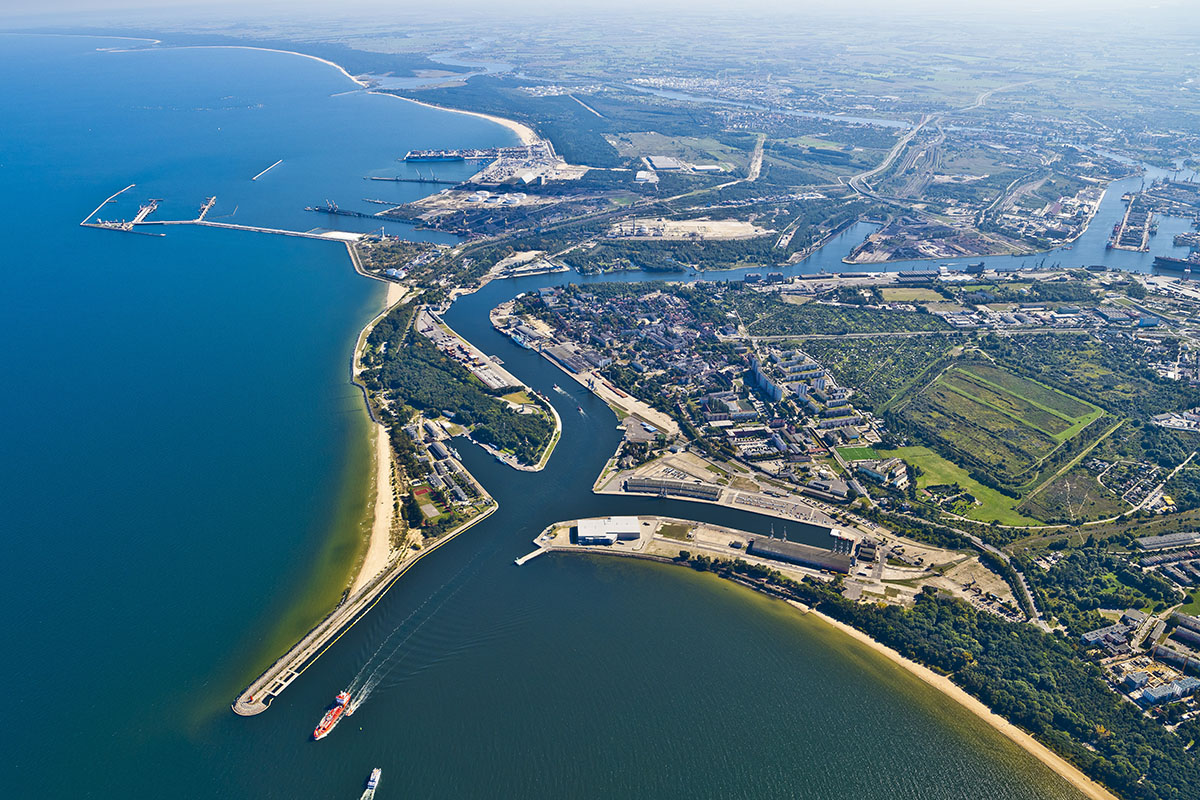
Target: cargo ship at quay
1188,264
434,155
476,153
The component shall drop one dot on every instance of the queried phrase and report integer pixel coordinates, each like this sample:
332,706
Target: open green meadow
937,471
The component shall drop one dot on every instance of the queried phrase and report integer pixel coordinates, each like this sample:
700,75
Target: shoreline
338,67
526,134
379,551
1059,765
1089,788
379,544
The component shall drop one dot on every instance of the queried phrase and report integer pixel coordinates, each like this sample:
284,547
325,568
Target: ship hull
341,708
1176,264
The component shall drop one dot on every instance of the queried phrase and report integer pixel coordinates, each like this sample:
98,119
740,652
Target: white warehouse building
609,530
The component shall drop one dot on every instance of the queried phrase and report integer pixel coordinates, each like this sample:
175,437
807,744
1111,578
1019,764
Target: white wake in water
390,653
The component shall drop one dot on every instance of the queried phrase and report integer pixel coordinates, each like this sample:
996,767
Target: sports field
894,294
857,453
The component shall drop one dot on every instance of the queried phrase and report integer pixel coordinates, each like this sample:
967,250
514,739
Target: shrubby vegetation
1110,372
770,315
880,369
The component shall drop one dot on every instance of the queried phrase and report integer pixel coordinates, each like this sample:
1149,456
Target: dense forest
576,132
412,371
1088,579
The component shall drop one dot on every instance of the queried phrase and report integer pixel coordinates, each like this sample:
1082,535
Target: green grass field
675,530
857,453
1039,394
937,471
518,397
1192,606
893,294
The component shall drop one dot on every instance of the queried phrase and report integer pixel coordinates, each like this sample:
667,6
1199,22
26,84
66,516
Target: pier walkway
257,697
520,562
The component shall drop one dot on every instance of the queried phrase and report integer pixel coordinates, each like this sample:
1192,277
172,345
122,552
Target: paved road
908,334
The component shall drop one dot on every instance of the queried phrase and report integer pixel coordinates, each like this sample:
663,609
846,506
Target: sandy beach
379,546
524,132
1066,770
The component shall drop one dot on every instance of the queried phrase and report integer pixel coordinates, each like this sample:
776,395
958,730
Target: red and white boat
341,707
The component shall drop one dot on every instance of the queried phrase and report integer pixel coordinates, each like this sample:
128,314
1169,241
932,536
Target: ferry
341,706
373,781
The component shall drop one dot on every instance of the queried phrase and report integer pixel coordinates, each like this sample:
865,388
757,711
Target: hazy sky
147,13
401,8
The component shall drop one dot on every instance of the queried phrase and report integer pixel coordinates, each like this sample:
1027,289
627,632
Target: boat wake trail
390,652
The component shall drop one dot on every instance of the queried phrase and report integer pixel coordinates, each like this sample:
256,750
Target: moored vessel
433,155
1176,264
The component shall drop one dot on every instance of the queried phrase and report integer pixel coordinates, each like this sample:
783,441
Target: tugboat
341,707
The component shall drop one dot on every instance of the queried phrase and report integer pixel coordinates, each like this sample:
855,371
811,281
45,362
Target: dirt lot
686,229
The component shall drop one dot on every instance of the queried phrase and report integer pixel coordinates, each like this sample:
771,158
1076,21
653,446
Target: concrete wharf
520,562
204,209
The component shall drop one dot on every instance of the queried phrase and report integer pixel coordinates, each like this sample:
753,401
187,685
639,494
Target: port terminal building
802,555
608,530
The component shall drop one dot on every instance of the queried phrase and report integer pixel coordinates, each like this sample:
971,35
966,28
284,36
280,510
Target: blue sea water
181,450
179,437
